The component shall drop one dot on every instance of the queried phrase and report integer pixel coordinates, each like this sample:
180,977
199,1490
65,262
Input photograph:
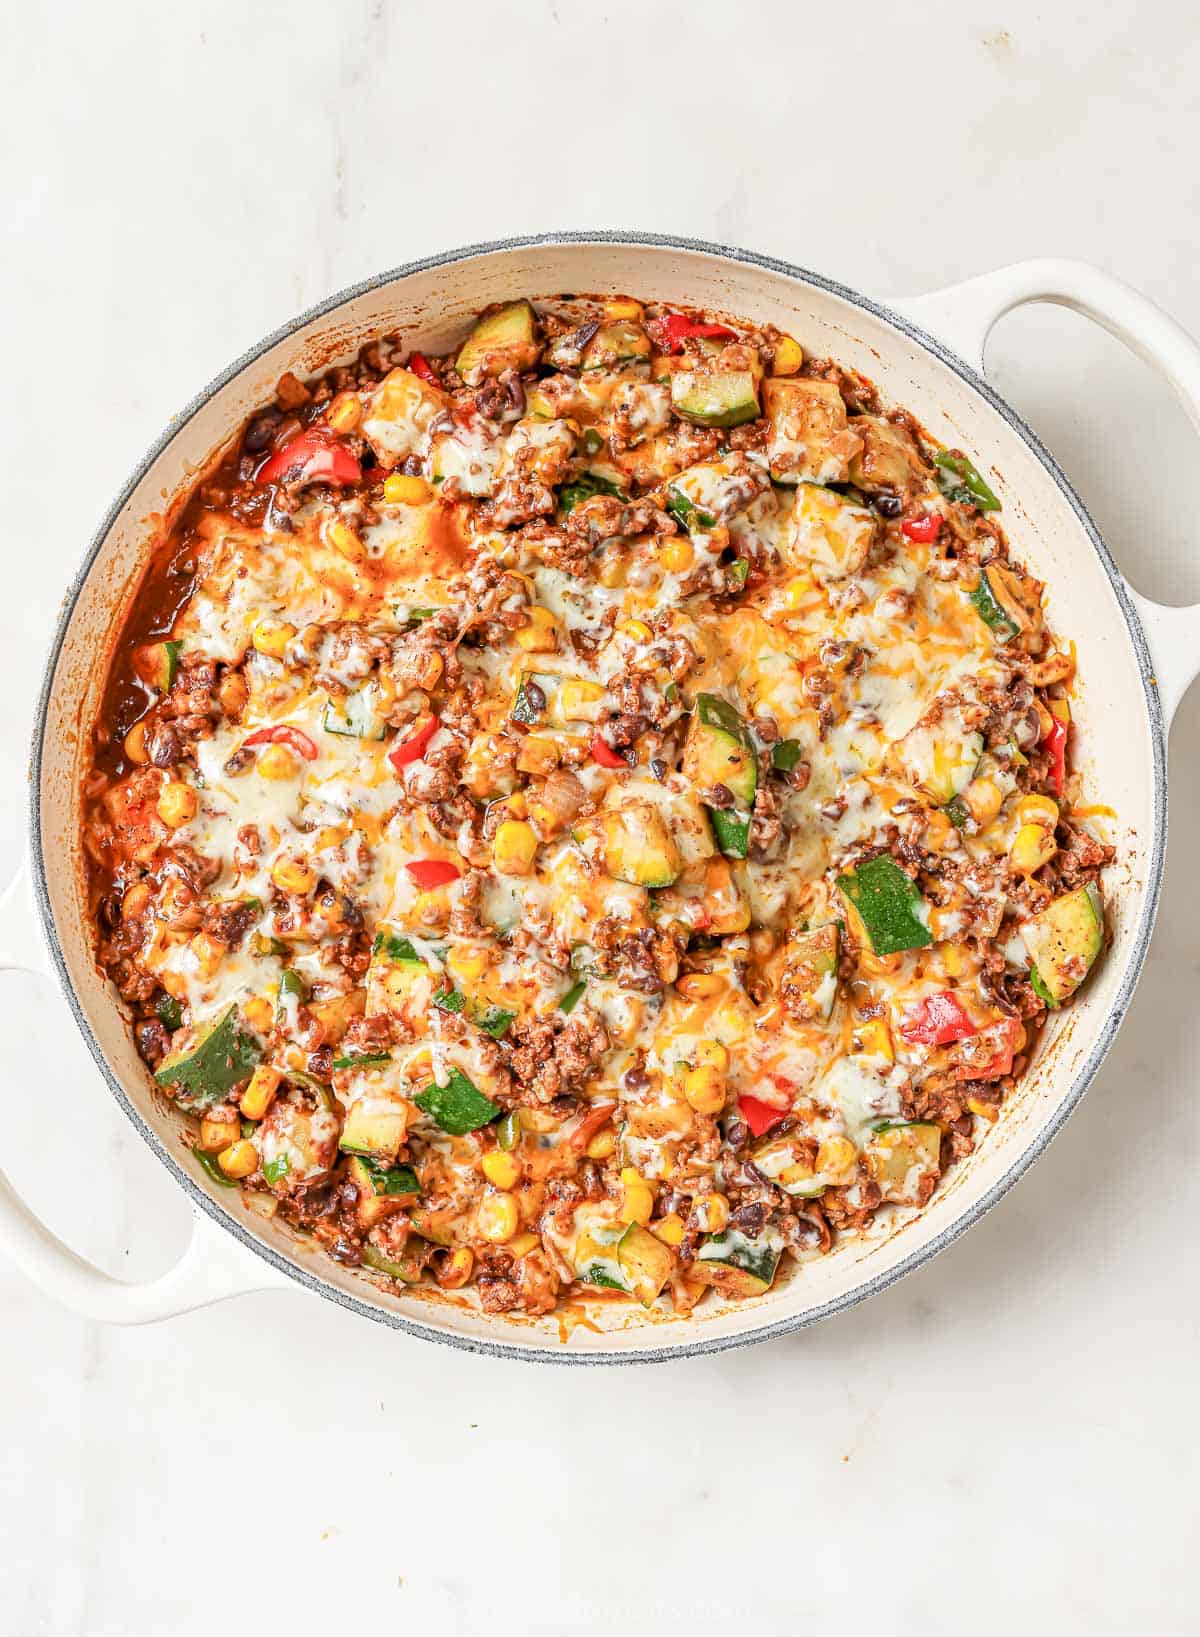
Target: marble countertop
1006,1439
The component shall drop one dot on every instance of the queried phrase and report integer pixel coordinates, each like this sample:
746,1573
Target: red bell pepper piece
284,734
433,872
676,328
1056,747
414,747
922,529
1000,1040
604,753
759,1116
937,1021
421,366
312,456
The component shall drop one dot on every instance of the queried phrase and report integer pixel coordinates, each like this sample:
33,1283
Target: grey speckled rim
683,1348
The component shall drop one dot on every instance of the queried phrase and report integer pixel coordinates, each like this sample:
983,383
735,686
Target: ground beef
554,1056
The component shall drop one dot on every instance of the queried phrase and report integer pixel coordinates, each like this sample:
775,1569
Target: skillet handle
963,316
212,1267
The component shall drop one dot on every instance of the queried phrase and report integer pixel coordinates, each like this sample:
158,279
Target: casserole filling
589,811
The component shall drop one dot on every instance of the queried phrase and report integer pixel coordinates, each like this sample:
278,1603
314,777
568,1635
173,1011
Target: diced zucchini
356,716
212,1065
731,830
493,1020
830,533
458,1106
715,398
783,1161
887,903
635,844
376,1127
888,461
505,339
714,492
407,1267
467,454
901,1157
738,1265
594,1255
382,1190
786,754
583,488
619,343
809,440
1065,938
396,949
645,1262
939,755
158,663
810,973
719,749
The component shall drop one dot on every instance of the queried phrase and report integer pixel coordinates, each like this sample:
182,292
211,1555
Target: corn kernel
580,701
344,541
514,847
176,804
345,412
277,762
638,1204
1041,810
401,490
704,1089
1031,848
876,1038
240,1159
984,799
457,1268
670,1230
789,355
271,637
208,953
603,1145
259,1014
700,985
636,630
940,835
467,964
612,570
135,901
714,1054
622,307
541,404
260,1093
232,693
798,590
540,636
986,1111
135,744
954,961
1061,709
522,1243
502,1170
835,1155
215,1134
497,1218
800,1172
290,875
677,554
712,1213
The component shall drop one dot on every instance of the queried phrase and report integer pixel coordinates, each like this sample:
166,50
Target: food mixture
592,812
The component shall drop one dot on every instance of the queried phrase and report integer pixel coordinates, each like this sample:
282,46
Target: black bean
717,795
658,767
889,505
260,432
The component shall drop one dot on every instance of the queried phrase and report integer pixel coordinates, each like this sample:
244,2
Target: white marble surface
1007,1439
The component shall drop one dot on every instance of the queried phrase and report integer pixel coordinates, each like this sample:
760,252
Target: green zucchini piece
361,1060
595,1259
717,398
169,1012
213,1065
887,902
621,342
505,339
939,756
209,1165
408,1268
396,949
493,1020
738,1265
275,1170
1039,989
959,480
901,1156
162,664
1065,938
374,1128
731,830
810,972
645,1262
458,1106
992,611
635,844
719,749
355,716
783,1162
394,1182
694,518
